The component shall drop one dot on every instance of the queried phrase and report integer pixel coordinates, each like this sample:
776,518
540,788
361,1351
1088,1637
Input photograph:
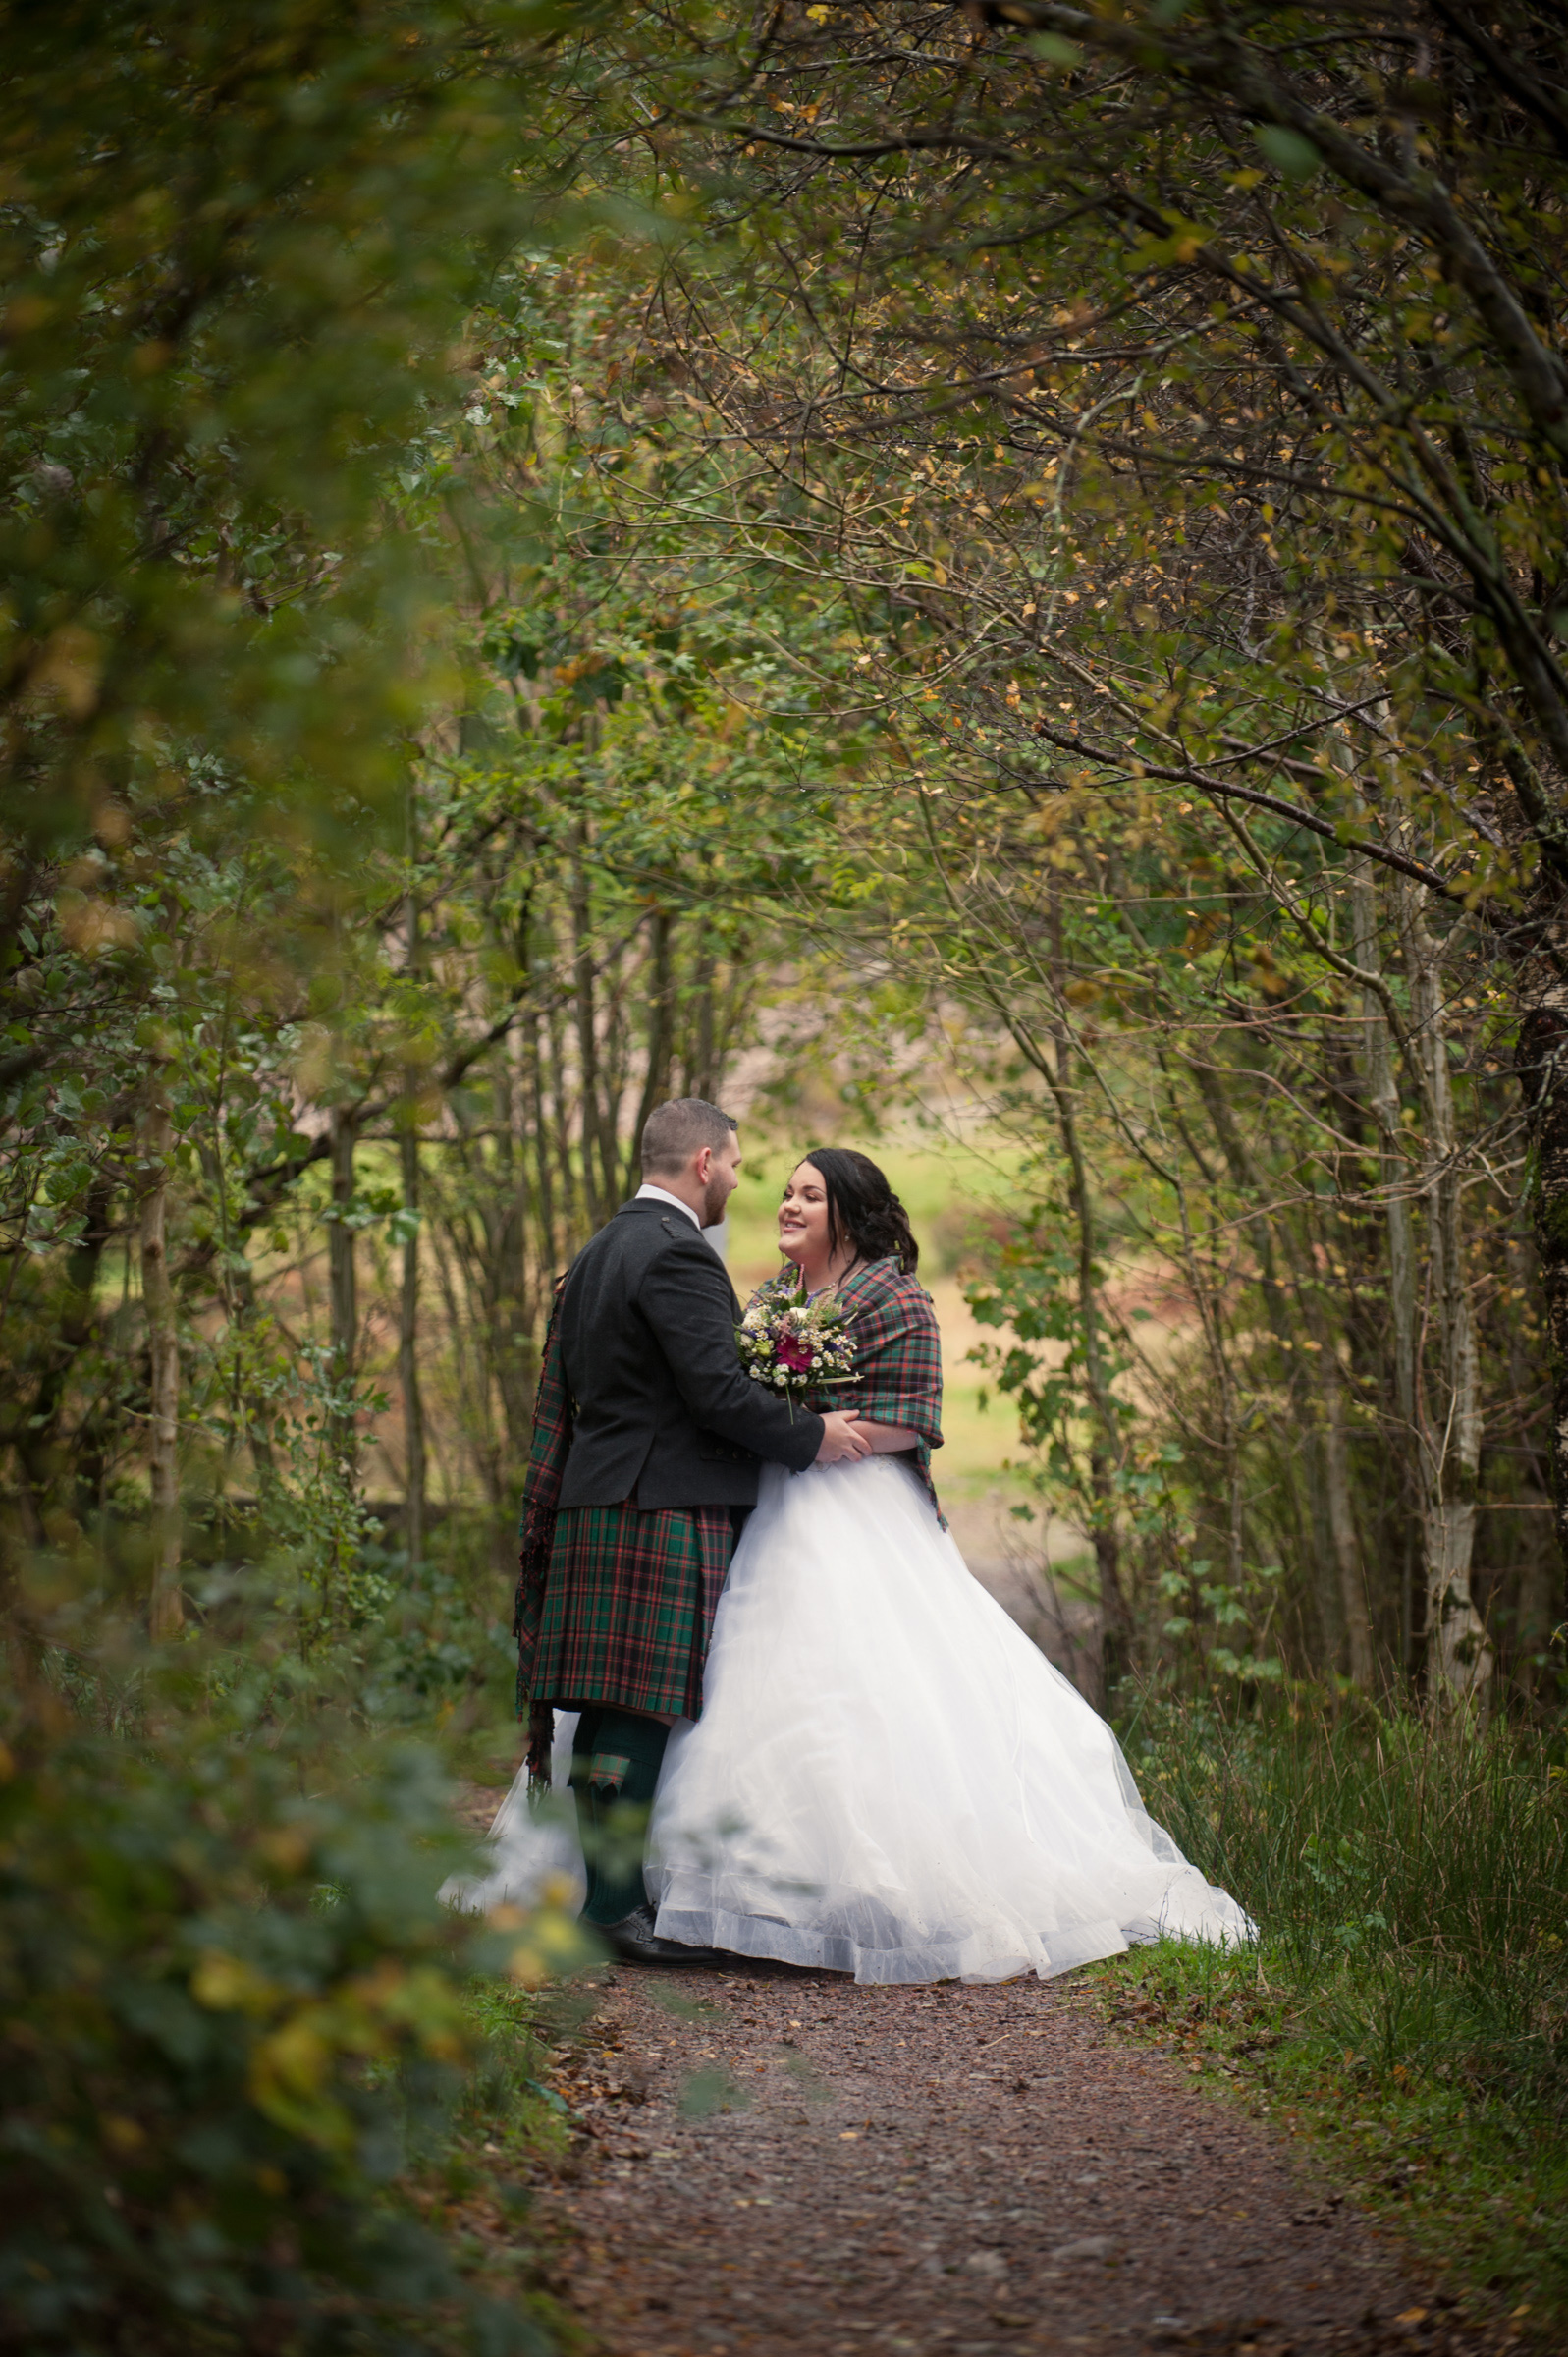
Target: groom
646,1443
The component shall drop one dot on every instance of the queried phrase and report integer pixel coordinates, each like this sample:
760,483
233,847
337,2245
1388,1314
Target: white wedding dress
888,1779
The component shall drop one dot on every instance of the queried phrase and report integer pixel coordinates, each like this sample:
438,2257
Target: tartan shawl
541,1500
897,1378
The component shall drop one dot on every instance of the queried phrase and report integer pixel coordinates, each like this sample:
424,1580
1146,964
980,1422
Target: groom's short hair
674,1132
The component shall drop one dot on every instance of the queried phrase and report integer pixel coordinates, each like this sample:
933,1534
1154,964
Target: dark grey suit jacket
666,1414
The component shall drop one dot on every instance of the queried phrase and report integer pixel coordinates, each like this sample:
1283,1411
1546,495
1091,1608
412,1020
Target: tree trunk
341,1279
42,1452
1104,1436
413,1407
258,1436
543,1172
515,1359
1459,1654
413,1412
166,1613
1321,1589
596,1194
1383,1100
1538,1614
660,1037
1544,1076
702,1068
1342,1523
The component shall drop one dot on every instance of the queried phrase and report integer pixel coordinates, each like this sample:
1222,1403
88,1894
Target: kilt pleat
628,1605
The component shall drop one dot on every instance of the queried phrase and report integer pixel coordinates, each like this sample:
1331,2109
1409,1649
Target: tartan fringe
541,1743
551,1438
527,1604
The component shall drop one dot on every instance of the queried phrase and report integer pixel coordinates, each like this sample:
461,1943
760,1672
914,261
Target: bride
889,1779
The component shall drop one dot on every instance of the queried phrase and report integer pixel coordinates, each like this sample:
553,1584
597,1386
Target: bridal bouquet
792,1344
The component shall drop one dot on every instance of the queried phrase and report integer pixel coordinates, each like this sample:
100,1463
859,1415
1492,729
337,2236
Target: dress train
889,1778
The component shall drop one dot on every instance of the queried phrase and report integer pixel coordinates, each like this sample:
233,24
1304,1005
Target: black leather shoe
635,1942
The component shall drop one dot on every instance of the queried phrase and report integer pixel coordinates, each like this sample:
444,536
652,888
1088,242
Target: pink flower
794,1354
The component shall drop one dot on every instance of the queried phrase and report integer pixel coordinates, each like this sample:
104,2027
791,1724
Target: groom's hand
841,1439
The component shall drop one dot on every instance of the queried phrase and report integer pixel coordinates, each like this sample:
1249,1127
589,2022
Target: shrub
231,2009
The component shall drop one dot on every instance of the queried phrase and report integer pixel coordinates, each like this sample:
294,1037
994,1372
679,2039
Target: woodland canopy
1009,555
530,536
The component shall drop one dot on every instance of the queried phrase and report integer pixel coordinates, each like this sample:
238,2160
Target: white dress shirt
717,1239
662,1194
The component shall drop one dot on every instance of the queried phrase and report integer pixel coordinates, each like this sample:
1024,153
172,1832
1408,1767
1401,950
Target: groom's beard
713,1202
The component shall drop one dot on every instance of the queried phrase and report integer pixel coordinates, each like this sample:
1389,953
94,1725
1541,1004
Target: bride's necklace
833,1283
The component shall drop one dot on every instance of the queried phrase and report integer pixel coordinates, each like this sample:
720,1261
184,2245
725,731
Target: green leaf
1287,150
1053,50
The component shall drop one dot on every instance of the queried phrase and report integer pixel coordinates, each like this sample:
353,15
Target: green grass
1406,2011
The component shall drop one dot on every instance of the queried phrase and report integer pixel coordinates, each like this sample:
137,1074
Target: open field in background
951,1190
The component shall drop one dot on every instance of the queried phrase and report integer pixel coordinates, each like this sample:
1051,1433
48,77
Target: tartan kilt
628,1605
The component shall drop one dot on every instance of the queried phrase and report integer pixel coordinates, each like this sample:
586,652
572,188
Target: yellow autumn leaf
285,1847
293,2060
226,1984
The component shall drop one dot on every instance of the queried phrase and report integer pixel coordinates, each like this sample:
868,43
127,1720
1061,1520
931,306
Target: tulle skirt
888,1779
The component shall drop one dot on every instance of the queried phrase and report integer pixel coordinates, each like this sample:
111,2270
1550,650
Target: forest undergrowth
263,2087
261,2077
1405,2012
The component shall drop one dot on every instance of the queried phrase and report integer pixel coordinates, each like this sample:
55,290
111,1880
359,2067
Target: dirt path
787,2163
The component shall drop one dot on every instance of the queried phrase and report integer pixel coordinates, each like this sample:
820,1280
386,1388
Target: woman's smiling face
803,1217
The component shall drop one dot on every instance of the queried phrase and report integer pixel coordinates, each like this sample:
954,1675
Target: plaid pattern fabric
898,1369
613,1604
541,1497
627,1608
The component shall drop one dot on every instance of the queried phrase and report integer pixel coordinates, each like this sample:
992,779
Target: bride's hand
843,1440
890,1440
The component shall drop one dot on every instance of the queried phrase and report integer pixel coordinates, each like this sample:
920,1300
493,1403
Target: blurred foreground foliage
240,2031
239,2025
1406,2006
236,246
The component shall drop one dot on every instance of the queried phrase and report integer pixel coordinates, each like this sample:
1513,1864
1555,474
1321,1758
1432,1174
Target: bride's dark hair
862,1208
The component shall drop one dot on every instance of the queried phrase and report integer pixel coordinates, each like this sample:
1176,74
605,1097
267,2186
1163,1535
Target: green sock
614,1767
587,1832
